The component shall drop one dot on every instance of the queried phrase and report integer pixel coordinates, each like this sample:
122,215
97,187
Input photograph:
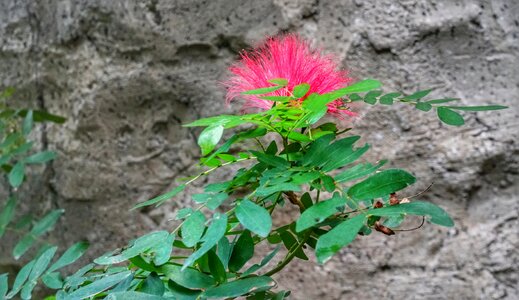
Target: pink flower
289,57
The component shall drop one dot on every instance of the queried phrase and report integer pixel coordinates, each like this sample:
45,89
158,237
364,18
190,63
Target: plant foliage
16,157
309,164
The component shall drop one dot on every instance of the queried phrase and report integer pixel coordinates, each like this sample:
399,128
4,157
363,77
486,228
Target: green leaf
138,246
7,92
394,221
132,295
300,90
162,198
53,280
278,81
123,285
23,245
250,134
211,200
337,238
23,222
254,217
181,293
139,262
242,252
281,295
27,123
42,262
371,97
358,171
262,91
276,98
318,212
153,285
358,87
224,251
388,99
183,213
20,279
17,174
317,107
478,108
40,157
10,140
46,223
22,148
193,228
228,121
306,199
302,178
355,97
417,95
328,183
348,156
216,200
7,213
39,228
290,241
381,184
336,155
316,149
217,187
77,278
239,287
263,262
440,101
264,191
423,106
299,137
188,277
70,256
438,215
98,286
162,251
449,116
216,267
3,285
226,157
42,116
209,138
271,160
213,234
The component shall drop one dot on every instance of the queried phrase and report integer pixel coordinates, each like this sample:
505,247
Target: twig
412,229
291,254
420,193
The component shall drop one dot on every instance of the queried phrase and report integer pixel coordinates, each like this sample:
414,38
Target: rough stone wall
128,73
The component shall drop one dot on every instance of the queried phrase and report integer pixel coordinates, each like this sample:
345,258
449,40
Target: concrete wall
128,73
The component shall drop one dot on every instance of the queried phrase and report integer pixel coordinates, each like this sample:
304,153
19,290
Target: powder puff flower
291,58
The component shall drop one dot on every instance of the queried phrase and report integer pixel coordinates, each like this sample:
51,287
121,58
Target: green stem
291,254
217,167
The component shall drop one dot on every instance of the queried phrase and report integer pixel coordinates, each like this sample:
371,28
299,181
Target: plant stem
214,168
291,254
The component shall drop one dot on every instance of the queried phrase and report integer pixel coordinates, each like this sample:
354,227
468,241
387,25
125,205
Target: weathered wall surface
128,73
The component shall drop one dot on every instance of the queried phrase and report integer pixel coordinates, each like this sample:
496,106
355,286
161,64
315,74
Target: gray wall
128,73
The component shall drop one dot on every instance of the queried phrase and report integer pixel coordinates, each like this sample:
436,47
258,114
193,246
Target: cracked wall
127,74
